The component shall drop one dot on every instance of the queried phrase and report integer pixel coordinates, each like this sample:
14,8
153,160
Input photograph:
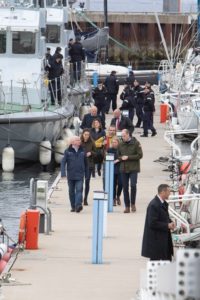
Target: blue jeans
75,192
125,183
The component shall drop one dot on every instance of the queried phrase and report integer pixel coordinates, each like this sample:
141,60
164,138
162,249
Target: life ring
22,228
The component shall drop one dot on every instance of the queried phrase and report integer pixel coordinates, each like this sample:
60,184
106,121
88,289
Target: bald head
117,113
93,110
75,141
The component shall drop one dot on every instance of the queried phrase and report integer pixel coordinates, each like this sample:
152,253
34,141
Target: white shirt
161,200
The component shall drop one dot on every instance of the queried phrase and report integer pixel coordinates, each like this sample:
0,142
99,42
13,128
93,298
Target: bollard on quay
109,179
98,227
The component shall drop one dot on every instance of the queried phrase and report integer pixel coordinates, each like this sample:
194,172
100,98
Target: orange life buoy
22,228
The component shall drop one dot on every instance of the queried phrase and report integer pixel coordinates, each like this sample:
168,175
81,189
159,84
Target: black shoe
144,135
85,202
72,210
154,133
93,174
137,125
99,172
79,208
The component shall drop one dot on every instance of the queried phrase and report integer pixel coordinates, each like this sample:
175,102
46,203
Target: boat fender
3,264
3,250
76,123
185,167
60,147
67,136
45,153
7,256
8,159
83,111
22,228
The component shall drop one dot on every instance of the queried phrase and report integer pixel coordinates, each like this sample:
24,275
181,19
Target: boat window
23,42
2,42
53,34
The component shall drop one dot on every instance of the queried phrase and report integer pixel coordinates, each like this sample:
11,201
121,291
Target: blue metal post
98,223
109,180
95,77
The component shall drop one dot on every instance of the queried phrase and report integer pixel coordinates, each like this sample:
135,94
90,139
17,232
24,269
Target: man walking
121,122
157,240
90,117
130,153
73,166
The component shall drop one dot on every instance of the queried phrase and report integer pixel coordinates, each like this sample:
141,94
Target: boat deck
61,268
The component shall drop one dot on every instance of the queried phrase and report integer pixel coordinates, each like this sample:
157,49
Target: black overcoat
157,240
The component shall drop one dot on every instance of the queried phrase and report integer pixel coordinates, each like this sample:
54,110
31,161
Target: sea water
15,193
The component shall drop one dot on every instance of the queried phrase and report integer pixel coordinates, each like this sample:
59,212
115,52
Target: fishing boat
26,114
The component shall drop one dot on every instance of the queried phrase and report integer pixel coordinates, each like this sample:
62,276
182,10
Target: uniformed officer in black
139,102
112,86
149,108
77,55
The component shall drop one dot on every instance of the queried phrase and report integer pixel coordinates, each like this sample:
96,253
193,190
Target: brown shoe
133,208
118,201
114,202
127,210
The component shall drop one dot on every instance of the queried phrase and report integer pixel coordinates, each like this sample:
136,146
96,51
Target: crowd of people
95,141
86,156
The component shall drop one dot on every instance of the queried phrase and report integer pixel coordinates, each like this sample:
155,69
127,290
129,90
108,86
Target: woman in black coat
157,240
98,135
90,151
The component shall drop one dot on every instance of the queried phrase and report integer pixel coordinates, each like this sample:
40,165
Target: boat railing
188,213
169,138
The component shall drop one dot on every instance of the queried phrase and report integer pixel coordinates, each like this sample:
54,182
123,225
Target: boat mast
198,22
105,25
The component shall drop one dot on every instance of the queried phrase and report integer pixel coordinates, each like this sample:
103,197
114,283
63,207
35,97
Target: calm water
15,193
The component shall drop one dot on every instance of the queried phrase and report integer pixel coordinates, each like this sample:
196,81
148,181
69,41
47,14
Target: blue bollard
109,179
98,224
105,215
95,78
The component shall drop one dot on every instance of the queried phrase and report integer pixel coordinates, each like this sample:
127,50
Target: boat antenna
198,23
106,25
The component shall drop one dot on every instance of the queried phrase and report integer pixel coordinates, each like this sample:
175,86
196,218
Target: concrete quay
61,268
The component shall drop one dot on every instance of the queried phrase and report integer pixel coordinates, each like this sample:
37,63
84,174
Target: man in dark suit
121,122
90,117
157,240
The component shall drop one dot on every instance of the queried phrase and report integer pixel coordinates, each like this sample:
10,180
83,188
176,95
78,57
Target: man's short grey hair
163,187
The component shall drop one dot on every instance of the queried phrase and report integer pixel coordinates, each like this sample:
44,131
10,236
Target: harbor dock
62,266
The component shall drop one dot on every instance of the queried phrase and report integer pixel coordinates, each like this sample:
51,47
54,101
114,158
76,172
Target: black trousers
125,183
117,185
111,98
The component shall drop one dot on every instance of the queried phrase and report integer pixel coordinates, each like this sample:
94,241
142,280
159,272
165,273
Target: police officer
77,55
149,108
112,86
130,79
55,71
139,102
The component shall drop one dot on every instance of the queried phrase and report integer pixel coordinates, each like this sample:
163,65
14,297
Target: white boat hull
25,131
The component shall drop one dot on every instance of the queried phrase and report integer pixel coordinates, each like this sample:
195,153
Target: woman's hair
100,125
82,138
115,138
